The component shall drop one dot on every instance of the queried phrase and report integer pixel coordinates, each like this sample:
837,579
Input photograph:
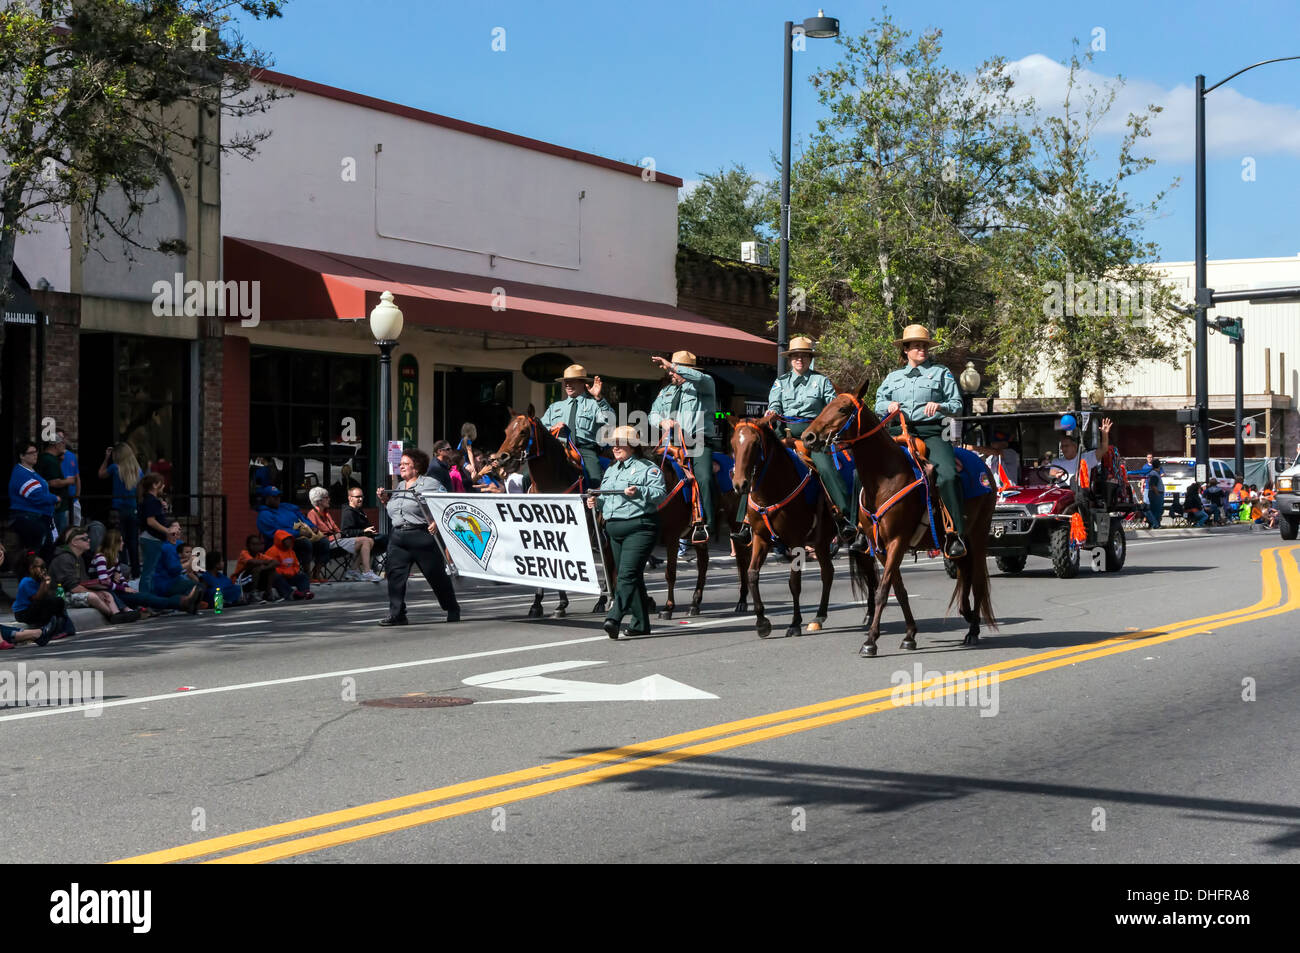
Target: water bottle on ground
218,601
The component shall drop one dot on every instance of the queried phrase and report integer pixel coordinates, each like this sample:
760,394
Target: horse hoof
763,627
535,612
971,639
695,610
909,644
742,608
813,627
666,614
559,613
867,651
791,630
600,606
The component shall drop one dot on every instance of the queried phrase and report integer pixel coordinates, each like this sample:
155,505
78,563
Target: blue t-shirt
152,506
26,592
70,469
122,497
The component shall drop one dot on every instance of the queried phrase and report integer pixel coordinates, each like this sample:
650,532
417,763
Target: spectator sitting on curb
275,515
69,571
1214,501
358,546
37,606
12,635
1196,516
169,577
153,527
290,580
106,568
215,578
254,571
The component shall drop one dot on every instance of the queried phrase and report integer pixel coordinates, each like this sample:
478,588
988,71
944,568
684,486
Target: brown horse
892,512
779,509
676,516
528,441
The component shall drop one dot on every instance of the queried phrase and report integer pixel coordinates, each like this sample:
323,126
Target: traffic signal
1248,427
1230,327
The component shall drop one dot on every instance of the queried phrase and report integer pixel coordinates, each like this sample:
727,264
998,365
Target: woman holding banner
630,494
412,539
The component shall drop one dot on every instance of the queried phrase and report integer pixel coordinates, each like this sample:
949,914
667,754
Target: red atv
1037,516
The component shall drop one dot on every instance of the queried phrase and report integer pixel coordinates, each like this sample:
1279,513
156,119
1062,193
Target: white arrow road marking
652,688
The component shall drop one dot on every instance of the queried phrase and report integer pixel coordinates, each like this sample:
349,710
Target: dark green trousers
591,459
824,464
945,471
630,541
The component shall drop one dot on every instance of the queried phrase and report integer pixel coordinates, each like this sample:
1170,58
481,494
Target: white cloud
1235,125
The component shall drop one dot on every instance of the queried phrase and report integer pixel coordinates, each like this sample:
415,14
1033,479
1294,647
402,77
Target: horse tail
862,574
973,568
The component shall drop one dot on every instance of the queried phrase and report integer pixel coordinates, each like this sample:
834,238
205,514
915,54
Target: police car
1287,486
1180,473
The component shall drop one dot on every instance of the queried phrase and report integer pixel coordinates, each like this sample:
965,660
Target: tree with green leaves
726,208
1085,306
896,197
96,94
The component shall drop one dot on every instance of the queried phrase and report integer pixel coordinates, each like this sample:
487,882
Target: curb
1233,529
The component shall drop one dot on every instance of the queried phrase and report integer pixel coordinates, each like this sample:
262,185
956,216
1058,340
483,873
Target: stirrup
847,532
743,535
955,548
860,544
700,534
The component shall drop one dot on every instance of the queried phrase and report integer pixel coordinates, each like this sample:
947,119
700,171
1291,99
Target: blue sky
697,85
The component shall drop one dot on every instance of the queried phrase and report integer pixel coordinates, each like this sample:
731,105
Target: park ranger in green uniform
584,412
926,392
802,394
686,412
632,525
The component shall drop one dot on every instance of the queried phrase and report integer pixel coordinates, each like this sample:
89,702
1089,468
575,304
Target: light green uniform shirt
592,416
695,413
800,395
914,387
637,472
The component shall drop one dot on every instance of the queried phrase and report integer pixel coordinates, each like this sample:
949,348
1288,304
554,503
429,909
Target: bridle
762,457
856,421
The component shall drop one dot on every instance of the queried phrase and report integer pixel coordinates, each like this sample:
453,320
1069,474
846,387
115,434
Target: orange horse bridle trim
764,511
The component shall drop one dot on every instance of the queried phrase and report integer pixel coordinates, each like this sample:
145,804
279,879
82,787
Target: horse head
750,445
520,442
844,421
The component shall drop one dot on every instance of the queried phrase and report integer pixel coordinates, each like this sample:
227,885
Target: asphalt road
1097,729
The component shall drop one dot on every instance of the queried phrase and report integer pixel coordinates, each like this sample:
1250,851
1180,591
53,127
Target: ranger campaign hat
574,372
684,357
918,333
625,436
801,346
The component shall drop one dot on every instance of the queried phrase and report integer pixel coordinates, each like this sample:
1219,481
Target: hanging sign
408,387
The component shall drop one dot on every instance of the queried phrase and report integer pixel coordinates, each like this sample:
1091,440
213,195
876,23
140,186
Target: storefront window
310,422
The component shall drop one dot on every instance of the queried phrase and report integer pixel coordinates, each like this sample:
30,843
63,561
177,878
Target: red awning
298,283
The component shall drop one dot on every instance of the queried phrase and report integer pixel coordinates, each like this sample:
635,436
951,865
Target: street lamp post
386,326
1205,297
818,27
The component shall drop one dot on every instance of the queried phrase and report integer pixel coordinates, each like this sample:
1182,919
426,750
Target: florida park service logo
473,529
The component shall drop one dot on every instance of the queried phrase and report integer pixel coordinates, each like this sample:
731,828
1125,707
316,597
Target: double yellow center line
295,838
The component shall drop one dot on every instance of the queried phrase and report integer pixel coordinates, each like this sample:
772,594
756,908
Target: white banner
530,539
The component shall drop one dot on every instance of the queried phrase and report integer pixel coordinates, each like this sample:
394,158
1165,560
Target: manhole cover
418,701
